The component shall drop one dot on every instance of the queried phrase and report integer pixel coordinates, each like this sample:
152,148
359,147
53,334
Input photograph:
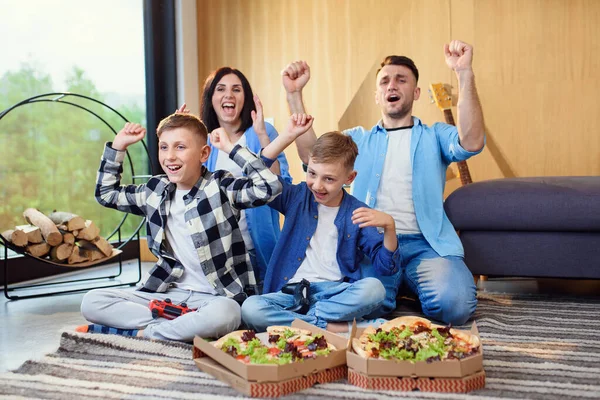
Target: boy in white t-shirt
193,229
325,235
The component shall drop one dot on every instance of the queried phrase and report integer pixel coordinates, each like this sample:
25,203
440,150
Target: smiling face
325,181
181,153
396,91
228,100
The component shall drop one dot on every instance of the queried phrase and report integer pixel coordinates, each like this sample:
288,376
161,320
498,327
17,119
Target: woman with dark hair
228,102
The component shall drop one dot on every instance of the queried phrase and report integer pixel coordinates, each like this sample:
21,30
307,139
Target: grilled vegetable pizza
285,345
414,339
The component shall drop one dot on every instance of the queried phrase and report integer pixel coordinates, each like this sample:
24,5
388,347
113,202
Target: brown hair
180,120
400,60
335,147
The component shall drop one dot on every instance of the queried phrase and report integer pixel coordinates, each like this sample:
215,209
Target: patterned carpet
535,347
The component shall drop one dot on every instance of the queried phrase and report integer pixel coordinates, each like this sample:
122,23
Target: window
50,152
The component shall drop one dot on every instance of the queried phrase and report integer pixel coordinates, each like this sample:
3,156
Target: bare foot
337,327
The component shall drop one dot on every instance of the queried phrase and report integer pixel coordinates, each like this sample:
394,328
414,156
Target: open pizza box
258,380
454,375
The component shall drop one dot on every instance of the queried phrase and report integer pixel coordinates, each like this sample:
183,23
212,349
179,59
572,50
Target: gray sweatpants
121,308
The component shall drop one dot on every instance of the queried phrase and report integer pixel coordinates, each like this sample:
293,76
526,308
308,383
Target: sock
95,328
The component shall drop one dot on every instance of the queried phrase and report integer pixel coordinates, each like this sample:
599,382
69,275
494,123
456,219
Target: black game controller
300,291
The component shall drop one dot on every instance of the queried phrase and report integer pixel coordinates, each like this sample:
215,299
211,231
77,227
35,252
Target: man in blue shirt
401,171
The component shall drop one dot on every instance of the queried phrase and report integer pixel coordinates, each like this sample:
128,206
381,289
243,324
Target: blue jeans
329,302
444,285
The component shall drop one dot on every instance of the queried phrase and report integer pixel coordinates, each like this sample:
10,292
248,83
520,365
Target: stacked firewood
60,236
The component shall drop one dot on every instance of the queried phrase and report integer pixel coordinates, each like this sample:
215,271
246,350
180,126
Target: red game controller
166,309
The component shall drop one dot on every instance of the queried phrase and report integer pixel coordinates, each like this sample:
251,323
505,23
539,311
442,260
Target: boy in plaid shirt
192,217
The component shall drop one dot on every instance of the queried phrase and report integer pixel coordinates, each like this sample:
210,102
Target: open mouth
173,168
392,98
320,196
228,107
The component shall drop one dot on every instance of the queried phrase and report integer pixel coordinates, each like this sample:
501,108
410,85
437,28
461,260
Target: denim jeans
329,302
444,285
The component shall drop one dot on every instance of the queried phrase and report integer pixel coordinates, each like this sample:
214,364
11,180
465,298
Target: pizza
414,339
284,345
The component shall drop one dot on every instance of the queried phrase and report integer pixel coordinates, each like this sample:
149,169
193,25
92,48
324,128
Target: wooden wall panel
534,66
533,62
341,40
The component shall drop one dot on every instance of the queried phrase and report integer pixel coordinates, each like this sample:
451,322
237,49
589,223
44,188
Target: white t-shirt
320,263
227,164
179,238
394,195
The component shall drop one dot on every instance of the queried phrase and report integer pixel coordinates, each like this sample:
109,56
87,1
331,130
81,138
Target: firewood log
91,255
72,221
69,238
76,256
90,232
16,237
34,235
103,245
49,231
39,249
61,252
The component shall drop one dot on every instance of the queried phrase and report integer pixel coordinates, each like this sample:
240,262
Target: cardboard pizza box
269,389
277,373
448,385
435,369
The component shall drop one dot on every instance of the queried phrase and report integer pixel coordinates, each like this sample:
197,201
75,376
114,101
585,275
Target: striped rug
535,347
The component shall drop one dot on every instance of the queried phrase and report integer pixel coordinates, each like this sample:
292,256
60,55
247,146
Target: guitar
443,99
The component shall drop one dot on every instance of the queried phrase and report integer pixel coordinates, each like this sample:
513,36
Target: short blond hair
181,120
335,147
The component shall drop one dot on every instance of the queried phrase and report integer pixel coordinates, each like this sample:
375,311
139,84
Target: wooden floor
30,328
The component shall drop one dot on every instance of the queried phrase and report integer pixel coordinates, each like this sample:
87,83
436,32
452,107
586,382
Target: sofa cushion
527,204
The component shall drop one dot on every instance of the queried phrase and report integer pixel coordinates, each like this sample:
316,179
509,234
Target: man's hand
258,119
299,124
130,134
365,216
295,76
459,55
220,140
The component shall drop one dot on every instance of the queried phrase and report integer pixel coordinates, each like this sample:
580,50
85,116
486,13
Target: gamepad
166,309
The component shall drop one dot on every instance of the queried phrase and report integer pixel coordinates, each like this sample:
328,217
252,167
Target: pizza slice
299,342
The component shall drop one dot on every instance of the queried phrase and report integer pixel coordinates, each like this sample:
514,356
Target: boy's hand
299,124
258,118
130,134
295,76
365,216
220,140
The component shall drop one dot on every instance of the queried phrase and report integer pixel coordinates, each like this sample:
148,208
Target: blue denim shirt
432,149
263,222
298,205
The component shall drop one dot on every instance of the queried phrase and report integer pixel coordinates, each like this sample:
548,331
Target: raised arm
299,125
257,187
459,57
294,77
258,123
109,191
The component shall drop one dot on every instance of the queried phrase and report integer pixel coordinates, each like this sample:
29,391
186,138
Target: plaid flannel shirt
212,213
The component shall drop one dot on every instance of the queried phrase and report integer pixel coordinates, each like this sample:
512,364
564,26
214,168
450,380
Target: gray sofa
530,227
